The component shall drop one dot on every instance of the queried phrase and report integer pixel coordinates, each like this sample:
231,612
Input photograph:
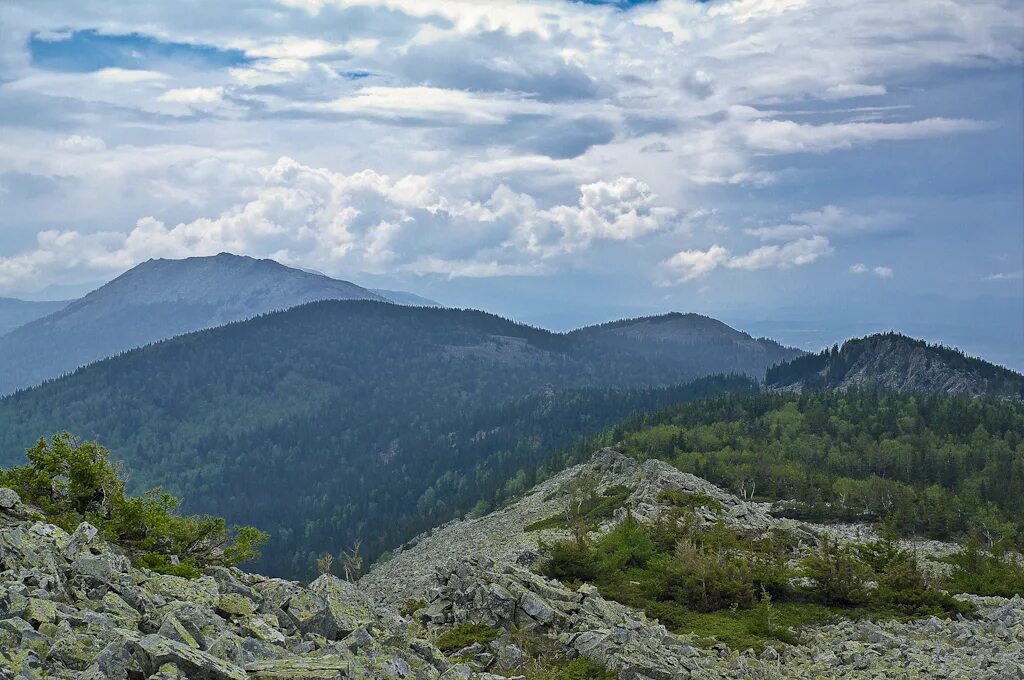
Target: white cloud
471,145
880,271
193,95
688,265
366,221
124,76
81,143
883,272
786,136
830,219
1006,276
792,254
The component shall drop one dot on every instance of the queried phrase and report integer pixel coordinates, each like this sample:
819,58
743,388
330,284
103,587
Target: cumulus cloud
367,221
687,265
792,254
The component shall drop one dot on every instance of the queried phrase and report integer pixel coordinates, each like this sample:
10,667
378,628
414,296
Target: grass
466,634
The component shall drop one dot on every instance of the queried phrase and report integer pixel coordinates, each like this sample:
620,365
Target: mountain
382,419
693,340
894,362
401,297
15,313
156,300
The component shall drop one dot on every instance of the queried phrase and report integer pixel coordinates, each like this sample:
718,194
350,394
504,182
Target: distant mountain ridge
15,313
160,299
897,363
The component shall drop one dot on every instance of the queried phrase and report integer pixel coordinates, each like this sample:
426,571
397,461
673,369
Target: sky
809,170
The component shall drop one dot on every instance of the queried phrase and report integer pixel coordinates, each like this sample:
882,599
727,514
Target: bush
464,635
73,481
571,561
577,669
983,573
839,576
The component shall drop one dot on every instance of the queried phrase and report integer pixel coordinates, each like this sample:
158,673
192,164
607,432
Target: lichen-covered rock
72,606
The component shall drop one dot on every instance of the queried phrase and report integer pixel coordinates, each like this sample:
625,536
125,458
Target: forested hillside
339,421
937,466
891,361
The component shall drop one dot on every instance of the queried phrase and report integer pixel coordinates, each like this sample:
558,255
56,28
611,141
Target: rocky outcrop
895,363
478,571
501,535
72,606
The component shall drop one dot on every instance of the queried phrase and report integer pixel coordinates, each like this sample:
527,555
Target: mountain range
356,418
383,418
156,300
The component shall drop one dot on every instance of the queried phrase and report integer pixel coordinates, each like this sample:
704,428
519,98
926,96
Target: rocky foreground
72,606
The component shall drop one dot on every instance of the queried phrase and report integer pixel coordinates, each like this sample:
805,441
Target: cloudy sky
807,169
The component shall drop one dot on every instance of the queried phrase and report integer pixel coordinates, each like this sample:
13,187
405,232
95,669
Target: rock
319,668
39,611
536,608
173,629
119,660
233,604
195,663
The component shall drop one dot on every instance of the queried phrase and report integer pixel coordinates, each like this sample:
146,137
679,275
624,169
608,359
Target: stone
196,664
316,668
39,611
233,604
536,608
172,629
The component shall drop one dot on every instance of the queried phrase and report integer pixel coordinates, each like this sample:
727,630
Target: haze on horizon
802,169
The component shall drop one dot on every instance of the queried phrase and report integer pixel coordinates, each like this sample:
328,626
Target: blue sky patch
89,50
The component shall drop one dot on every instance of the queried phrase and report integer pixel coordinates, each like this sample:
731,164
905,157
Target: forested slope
339,421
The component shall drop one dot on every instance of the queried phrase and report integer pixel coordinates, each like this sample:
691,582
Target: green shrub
466,634
839,576
571,562
577,669
985,573
73,481
586,508
410,607
689,501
